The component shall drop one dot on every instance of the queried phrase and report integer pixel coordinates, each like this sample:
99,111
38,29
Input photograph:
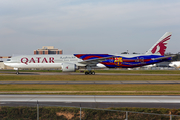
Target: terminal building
47,50
2,66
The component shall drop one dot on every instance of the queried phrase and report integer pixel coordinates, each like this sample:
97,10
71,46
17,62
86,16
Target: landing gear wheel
89,73
17,72
86,73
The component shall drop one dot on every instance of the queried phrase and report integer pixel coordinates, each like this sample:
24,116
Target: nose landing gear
17,71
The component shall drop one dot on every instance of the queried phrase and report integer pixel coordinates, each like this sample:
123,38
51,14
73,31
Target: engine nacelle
68,67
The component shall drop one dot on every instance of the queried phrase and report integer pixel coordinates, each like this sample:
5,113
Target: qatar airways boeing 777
70,63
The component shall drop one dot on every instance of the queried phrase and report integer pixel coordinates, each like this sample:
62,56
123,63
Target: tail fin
160,47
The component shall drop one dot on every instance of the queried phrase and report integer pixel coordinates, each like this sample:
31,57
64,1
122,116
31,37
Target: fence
46,111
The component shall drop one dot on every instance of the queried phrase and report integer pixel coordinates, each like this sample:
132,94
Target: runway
81,73
93,104
90,98
91,101
90,82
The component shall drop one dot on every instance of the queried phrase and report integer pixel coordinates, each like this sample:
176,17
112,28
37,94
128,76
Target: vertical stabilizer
161,45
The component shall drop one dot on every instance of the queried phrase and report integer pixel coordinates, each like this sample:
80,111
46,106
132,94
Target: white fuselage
175,64
47,61
41,61
55,61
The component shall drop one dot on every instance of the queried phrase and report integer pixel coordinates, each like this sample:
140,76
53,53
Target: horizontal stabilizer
162,58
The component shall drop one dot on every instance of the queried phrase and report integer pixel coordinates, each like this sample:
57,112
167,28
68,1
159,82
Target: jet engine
68,67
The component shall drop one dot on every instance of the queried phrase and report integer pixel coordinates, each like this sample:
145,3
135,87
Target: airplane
70,63
175,64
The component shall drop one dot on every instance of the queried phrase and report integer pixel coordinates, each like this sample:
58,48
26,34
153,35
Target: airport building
47,50
2,66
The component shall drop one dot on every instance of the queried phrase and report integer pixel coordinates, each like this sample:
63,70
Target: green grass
145,89
140,71
118,87
96,89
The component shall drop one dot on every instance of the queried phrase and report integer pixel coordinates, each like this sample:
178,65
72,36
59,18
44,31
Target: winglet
160,47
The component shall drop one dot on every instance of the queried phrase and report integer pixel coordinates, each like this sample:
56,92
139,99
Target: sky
87,26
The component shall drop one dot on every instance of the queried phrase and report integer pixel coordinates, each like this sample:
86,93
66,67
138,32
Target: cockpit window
8,59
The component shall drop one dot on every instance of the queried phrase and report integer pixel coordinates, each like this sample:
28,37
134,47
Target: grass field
89,77
120,89
140,71
94,89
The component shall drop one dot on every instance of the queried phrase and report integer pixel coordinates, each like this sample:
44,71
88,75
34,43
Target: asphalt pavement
91,101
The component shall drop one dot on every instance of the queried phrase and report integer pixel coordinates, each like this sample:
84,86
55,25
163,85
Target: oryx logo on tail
160,47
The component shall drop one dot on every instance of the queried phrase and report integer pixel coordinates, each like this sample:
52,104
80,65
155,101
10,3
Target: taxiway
91,101
90,98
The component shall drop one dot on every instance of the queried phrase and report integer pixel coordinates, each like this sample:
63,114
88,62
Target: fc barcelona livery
70,63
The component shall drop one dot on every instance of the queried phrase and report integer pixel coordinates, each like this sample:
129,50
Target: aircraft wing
95,61
93,58
165,57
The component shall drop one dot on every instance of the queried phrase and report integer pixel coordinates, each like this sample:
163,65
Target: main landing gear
89,73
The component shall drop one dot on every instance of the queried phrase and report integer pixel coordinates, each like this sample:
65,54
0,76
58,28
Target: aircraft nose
170,64
5,63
